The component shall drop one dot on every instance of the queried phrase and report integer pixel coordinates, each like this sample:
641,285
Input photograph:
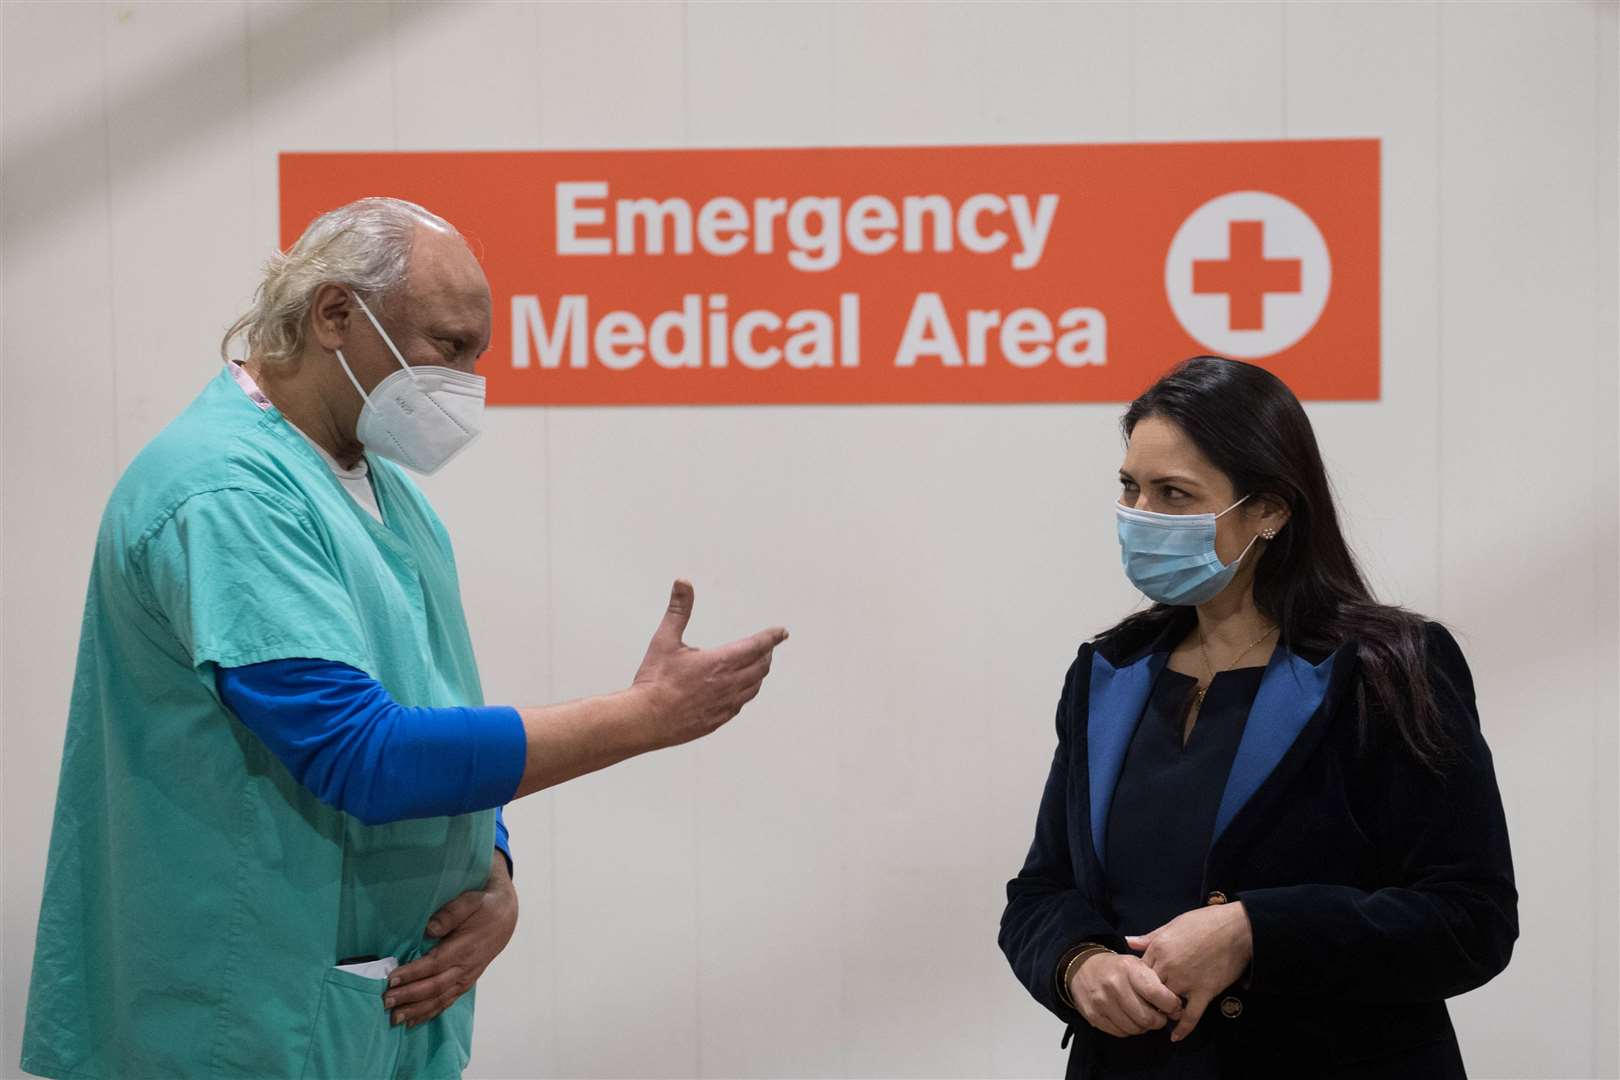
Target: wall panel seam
107,203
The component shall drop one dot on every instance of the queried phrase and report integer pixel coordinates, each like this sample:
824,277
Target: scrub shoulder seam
137,549
167,513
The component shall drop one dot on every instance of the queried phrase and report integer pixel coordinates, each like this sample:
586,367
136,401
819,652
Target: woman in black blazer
1271,842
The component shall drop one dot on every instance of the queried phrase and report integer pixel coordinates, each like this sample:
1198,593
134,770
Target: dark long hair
1249,425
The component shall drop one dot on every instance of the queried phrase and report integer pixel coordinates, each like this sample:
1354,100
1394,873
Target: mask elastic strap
345,365
1237,561
1251,540
386,339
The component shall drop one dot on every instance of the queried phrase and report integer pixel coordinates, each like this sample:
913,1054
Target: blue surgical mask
1171,557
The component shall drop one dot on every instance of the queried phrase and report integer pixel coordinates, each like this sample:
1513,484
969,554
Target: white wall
815,890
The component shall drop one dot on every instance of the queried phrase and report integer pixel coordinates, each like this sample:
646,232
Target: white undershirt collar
356,481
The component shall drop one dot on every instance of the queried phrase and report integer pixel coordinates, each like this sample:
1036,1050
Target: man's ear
329,315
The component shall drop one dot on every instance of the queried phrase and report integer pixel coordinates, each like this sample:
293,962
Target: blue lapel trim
1115,704
1291,691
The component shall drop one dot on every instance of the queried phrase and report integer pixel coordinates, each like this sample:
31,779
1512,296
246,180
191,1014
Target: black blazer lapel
1290,714
1114,708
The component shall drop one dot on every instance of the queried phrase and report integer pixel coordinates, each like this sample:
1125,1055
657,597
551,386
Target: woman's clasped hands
1120,995
1195,957
1184,964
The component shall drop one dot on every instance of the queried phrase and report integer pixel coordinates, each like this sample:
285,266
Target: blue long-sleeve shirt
343,737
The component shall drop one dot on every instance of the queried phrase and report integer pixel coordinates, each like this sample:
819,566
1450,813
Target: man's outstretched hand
679,694
696,690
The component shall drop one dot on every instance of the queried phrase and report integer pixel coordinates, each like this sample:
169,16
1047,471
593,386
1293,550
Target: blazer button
1216,897
1231,1008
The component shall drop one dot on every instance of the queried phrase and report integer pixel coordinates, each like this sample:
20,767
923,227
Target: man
280,790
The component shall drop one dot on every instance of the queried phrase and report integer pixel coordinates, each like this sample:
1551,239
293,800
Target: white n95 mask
419,416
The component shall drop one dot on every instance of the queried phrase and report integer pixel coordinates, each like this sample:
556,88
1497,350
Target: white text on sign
703,332
816,227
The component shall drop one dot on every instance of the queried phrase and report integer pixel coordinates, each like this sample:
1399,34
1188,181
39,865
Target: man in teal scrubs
273,846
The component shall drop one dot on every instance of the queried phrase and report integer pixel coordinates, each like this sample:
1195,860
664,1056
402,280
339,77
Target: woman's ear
1273,515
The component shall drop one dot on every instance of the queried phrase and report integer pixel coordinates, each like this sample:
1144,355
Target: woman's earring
1269,534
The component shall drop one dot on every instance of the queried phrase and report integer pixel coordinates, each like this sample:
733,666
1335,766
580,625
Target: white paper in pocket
372,969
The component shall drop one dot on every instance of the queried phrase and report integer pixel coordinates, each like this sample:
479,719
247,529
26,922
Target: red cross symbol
1246,275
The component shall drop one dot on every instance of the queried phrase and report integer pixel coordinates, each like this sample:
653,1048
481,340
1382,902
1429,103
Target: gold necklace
1198,699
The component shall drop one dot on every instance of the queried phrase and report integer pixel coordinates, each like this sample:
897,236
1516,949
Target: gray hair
365,245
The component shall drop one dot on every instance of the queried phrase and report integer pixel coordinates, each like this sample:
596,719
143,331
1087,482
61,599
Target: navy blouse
1159,832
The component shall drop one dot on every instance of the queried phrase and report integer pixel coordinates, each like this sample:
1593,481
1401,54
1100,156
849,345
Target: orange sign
918,274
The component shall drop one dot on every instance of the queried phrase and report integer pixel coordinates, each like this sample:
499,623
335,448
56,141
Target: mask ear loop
1237,561
345,365
382,334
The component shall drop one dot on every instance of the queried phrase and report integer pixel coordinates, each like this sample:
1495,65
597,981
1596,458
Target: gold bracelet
1085,953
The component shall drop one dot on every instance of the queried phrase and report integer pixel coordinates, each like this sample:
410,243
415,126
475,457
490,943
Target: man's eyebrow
469,336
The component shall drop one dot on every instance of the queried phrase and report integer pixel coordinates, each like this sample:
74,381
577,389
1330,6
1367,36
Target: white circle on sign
1248,274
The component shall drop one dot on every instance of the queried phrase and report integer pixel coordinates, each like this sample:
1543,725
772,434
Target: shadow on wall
301,36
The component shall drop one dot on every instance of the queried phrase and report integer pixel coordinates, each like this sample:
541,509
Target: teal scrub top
197,898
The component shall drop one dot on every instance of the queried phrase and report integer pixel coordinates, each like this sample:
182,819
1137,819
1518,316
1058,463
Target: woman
1271,842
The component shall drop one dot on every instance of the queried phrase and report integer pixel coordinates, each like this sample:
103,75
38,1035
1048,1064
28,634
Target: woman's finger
1142,1015
1151,989
1117,1010
1196,1004
1098,1017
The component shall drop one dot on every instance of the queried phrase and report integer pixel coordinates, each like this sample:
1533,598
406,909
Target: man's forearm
579,737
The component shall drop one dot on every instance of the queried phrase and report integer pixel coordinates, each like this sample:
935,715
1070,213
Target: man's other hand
472,930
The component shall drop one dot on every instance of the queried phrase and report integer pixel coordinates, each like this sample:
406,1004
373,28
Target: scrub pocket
351,1038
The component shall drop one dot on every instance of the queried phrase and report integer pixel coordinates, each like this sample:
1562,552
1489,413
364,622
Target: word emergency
816,229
